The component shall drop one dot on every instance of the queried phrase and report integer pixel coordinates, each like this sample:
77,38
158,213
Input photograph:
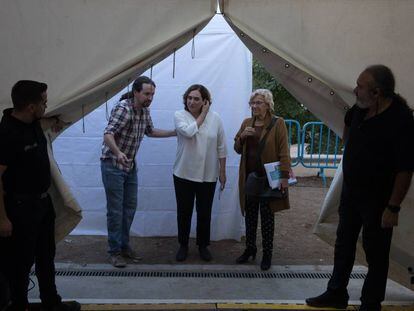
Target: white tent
223,64
316,48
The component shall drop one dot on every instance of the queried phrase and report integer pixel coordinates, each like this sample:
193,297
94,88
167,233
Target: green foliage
288,107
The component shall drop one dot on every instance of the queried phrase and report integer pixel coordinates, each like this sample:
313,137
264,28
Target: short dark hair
26,92
205,94
384,80
137,86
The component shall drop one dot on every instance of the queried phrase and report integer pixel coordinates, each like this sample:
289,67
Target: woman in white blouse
200,160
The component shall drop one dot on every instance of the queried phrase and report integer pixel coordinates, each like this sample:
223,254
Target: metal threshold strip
220,306
201,274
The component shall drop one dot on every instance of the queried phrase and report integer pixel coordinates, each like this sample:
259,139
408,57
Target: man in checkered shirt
130,120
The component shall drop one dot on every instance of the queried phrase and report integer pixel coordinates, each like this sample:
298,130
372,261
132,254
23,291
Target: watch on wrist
393,208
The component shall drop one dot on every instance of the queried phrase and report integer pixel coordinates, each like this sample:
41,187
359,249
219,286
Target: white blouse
198,149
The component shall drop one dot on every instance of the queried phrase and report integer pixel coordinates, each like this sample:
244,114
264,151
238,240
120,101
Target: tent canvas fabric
87,51
91,49
316,49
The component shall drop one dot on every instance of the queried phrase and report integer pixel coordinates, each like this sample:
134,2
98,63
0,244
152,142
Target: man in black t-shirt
27,216
378,164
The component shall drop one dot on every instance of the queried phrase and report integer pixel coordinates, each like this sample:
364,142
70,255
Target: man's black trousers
203,193
354,215
32,241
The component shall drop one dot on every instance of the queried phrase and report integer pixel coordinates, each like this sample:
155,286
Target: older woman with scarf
262,125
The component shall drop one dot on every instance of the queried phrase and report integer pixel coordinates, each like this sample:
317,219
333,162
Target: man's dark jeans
4,288
354,215
32,241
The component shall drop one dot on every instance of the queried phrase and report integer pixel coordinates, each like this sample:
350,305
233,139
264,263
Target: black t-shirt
377,149
23,149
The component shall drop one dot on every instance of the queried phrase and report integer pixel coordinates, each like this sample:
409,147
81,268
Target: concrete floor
108,289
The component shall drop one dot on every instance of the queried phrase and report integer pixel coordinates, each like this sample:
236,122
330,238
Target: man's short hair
26,92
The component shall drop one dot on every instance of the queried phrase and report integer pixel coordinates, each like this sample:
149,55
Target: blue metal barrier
317,146
294,139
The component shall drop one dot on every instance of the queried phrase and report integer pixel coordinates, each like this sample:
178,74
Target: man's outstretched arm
162,133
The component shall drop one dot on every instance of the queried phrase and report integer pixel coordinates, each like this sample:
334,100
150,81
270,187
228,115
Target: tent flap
328,43
87,49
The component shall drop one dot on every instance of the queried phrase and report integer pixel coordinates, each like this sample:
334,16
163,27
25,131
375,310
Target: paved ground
295,244
191,286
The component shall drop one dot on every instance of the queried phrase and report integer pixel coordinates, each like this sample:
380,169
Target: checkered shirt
128,125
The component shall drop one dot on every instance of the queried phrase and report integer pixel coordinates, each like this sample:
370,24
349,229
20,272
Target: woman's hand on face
205,107
248,131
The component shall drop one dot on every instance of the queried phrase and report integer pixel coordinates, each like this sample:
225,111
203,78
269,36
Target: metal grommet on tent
332,93
287,65
241,34
264,50
346,108
310,80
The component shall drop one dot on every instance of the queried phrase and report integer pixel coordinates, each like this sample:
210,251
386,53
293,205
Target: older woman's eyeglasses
256,103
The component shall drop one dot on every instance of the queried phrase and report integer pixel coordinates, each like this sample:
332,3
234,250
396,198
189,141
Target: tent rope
83,119
152,65
106,106
193,44
173,73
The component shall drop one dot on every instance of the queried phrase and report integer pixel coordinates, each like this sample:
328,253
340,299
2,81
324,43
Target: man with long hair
130,120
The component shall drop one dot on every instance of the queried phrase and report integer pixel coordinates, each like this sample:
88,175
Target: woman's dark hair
205,94
384,80
137,86
26,92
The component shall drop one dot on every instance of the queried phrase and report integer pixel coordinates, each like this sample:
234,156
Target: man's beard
363,105
38,117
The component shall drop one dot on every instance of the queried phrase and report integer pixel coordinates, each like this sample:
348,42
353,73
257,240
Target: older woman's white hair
267,96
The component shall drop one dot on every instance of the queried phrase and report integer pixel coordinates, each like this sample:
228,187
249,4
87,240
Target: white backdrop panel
223,65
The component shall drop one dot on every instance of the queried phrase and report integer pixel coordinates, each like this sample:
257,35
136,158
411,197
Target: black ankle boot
205,253
266,261
246,255
182,253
